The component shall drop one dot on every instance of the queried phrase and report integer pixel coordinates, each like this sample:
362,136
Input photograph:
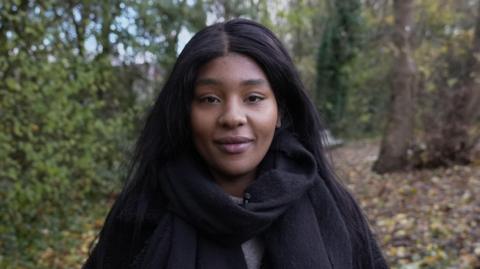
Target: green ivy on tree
339,45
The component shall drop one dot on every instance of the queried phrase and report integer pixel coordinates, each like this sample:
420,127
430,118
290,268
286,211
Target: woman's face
234,114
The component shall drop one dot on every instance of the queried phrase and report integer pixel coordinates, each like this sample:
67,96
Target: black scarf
289,207
191,223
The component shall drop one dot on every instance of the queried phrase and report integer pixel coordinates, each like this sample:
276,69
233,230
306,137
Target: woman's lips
234,145
236,148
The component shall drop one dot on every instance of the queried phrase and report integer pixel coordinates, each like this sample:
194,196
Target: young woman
229,170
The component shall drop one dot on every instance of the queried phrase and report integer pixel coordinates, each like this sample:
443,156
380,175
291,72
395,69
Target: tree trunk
398,134
453,138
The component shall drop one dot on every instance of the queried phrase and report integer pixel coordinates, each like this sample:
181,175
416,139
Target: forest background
396,80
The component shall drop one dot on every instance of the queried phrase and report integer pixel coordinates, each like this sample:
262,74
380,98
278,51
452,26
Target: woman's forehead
231,67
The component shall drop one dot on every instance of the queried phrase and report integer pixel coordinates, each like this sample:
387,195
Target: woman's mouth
234,144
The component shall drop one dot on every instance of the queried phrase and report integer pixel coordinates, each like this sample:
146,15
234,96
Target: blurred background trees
77,76
447,89
340,42
398,136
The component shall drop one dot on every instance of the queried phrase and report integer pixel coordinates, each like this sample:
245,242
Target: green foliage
67,121
159,24
61,149
226,10
301,25
340,43
365,107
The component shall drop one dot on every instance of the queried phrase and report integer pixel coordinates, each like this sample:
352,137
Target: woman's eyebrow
247,82
207,81
253,82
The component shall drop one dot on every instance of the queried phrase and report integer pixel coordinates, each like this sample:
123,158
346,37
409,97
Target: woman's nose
232,116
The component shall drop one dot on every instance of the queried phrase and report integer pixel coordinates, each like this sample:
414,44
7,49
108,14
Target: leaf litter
422,218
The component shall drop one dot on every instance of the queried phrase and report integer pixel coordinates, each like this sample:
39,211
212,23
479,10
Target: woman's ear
279,122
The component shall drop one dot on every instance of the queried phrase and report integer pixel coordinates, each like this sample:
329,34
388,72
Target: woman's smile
234,144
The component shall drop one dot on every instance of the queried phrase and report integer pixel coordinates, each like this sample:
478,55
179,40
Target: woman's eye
254,98
209,99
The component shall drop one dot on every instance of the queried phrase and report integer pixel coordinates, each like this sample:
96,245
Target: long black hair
167,130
